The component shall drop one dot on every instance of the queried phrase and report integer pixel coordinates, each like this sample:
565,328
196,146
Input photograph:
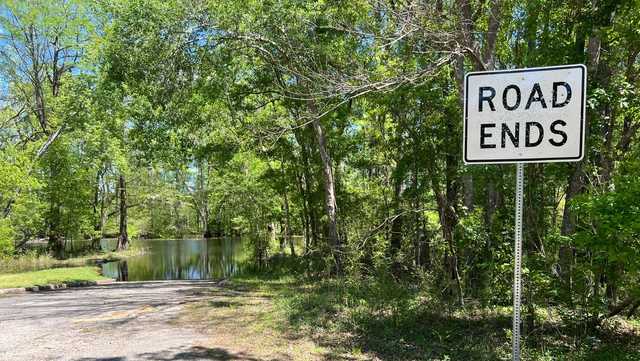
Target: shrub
6,238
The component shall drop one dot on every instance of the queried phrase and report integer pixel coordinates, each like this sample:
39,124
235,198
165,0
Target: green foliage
6,238
611,231
18,187
614,230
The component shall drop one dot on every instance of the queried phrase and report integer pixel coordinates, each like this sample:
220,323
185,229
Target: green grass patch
50,276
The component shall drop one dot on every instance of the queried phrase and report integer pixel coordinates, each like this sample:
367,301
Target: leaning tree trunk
123,237
330,196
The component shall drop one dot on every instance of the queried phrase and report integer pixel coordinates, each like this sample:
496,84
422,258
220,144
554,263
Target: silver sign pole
517,267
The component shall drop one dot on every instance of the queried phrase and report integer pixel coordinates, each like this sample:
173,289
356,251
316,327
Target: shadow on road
82,302
175,354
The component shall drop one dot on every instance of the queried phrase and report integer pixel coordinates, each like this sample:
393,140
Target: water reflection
123,271
194,259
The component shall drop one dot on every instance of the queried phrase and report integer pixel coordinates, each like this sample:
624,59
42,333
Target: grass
33,269
33,261
382,319
50,276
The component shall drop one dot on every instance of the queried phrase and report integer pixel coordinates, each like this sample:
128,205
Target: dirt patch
246,321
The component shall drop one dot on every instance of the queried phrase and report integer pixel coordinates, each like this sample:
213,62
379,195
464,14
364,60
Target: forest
332,127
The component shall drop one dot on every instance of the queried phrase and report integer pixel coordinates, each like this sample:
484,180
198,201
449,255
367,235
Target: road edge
55,286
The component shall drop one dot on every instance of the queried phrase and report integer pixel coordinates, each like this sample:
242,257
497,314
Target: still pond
182,259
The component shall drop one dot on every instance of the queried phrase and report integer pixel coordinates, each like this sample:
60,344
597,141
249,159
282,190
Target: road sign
529,115
522,116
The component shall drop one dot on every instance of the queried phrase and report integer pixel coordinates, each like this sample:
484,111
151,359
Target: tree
43,43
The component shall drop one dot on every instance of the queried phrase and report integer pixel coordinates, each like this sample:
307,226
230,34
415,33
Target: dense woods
336,121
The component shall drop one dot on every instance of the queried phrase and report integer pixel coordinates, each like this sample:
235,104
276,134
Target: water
190,259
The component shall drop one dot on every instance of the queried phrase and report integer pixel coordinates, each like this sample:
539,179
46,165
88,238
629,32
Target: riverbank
33,269
34,261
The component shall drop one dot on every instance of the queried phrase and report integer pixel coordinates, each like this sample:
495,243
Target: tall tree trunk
97,216
395,237
56,239
287,224
421,245
204,199
451,215
448,220
287,220
304,215
123,236
205,221
575,184
566,251
330,196
467,178
534,228
306,182
424,246
41,108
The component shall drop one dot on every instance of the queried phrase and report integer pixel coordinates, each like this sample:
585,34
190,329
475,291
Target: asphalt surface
117,322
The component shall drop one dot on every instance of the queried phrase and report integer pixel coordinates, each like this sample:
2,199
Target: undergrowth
390,320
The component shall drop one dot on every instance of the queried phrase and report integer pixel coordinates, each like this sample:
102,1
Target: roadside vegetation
379,317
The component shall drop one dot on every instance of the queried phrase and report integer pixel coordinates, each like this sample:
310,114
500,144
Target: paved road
122,321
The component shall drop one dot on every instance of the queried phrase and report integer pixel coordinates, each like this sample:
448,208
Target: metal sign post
517,266
534,115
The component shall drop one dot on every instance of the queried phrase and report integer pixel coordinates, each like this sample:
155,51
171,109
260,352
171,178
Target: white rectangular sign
527,115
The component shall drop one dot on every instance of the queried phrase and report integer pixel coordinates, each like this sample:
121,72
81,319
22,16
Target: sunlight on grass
50,276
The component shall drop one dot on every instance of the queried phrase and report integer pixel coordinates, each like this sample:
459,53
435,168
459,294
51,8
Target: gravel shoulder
141,321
